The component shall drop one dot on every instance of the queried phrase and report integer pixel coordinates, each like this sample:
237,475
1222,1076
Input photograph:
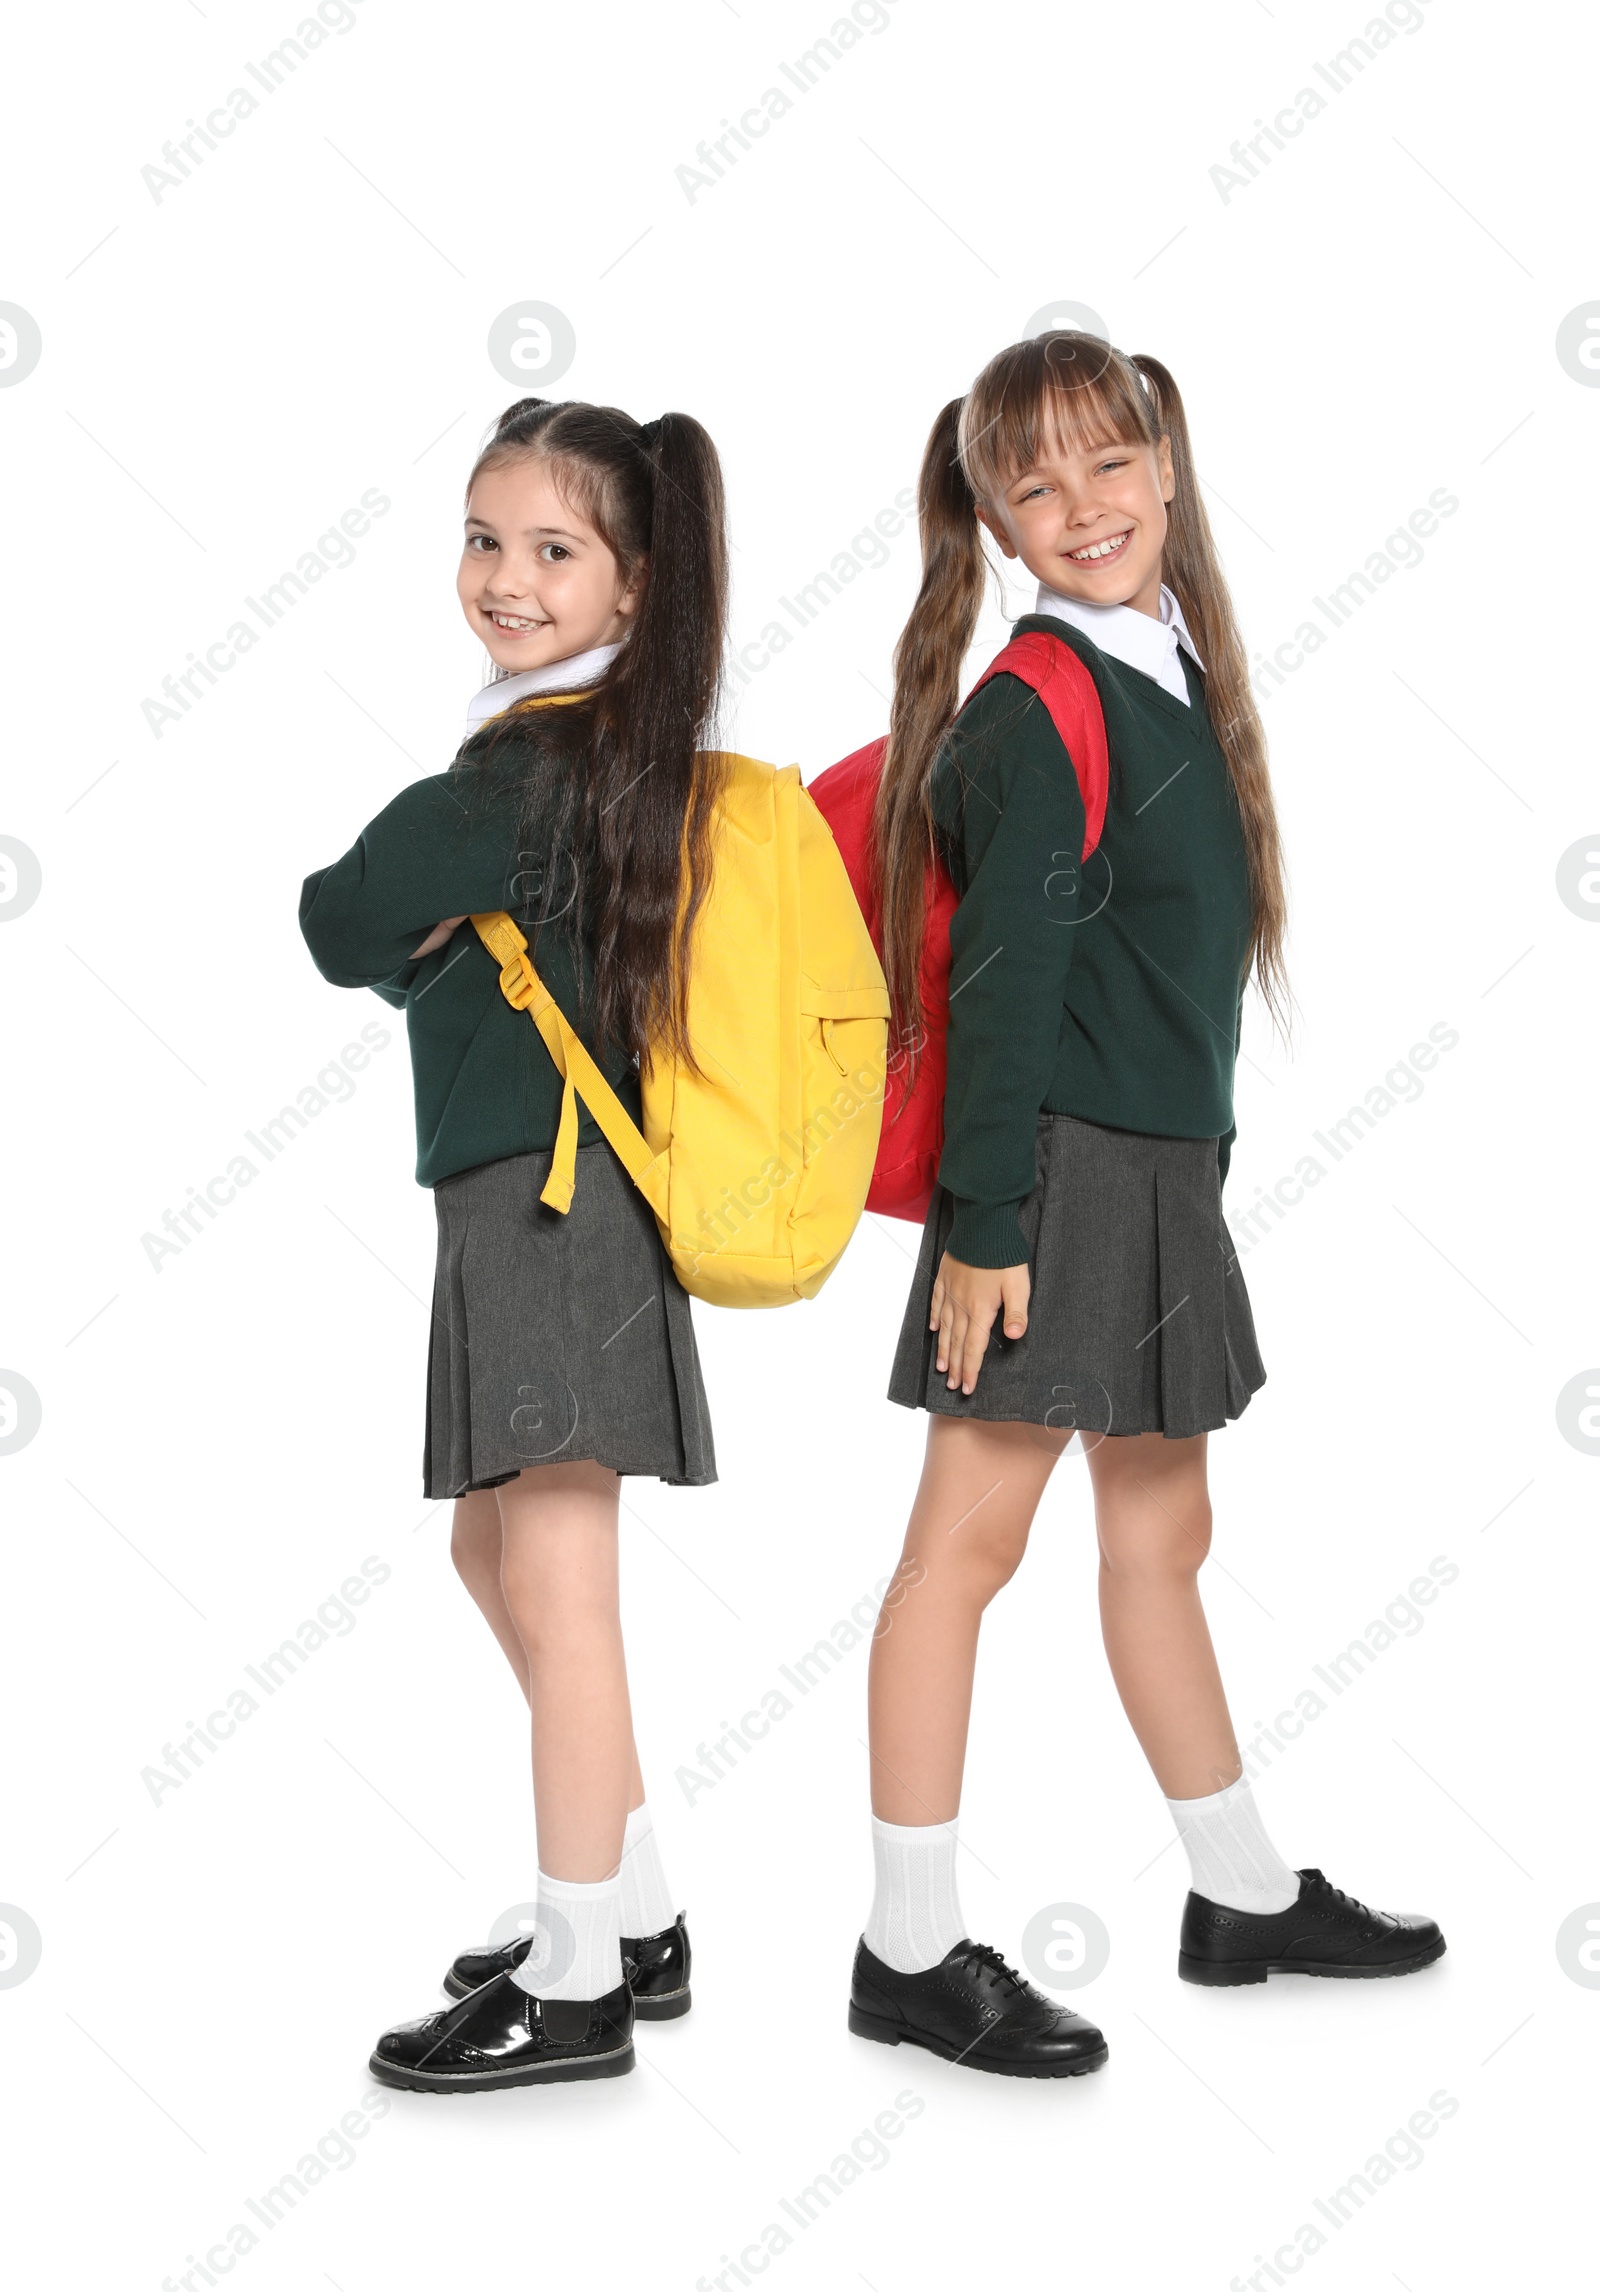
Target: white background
225,370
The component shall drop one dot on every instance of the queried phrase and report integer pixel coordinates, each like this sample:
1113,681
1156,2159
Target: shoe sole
668,2007
1225,1977
615,2064
884,2032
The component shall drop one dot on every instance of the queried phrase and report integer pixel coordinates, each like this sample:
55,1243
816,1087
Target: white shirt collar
577,670
1139,639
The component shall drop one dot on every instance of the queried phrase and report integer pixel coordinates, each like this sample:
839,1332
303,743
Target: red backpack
912,1137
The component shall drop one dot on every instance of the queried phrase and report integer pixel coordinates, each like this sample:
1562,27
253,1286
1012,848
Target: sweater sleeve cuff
987,1234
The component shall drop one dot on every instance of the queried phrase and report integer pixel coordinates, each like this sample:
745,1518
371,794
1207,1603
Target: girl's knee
555,1608
566,1636
999,1557
983,1555
1148,1539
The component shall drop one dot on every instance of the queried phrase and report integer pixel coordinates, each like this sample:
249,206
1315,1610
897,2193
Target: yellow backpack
757,1166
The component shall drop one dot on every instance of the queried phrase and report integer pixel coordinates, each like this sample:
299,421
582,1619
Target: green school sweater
1109,989
484,1083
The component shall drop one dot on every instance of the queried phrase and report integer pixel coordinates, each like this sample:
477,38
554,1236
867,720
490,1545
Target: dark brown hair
1075,389
620,785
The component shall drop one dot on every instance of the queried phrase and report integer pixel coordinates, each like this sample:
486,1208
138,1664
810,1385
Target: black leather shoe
657,1971
972,2009
655,1967
1323,1932
502,2036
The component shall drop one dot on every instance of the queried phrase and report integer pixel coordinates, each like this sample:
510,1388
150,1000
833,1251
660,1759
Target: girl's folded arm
424,857
398,989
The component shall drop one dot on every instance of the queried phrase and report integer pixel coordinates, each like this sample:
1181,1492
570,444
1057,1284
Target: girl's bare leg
980,1487
1153,1520
558,1575
477,1543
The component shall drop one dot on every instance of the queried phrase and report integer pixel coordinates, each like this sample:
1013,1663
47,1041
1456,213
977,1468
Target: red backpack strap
1059,677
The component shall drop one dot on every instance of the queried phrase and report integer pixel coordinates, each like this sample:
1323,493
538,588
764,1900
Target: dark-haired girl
1076,1274
562,1355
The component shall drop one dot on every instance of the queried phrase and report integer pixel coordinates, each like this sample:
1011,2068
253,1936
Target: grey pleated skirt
557,1339
1138,1320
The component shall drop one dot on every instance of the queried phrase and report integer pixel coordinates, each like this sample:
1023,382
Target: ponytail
1193,572
653,823
927,687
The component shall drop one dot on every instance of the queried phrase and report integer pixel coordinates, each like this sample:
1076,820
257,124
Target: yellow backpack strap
524,990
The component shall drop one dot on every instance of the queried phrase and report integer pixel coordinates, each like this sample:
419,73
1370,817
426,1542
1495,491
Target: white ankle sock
576,1949
647,1906
1231,1858
915,1918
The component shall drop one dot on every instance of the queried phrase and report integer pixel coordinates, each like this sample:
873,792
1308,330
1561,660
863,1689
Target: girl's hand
437,936
966,1300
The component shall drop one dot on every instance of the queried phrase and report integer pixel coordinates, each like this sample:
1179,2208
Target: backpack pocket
843,1035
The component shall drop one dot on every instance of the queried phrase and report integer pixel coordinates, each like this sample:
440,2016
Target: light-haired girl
1076,1272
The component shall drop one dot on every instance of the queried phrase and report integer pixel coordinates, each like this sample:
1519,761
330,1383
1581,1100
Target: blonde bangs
1063,392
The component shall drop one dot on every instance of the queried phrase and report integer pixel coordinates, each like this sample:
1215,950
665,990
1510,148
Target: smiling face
1089,522
537,582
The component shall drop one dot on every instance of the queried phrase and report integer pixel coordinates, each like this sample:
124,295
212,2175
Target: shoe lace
1334,1893
982,1955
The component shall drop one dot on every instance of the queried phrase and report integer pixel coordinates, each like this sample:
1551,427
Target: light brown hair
1073,389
